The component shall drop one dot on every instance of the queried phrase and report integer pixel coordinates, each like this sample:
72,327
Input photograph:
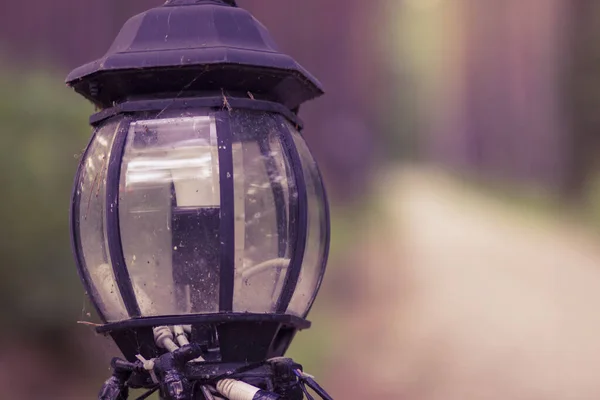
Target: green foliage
312,348
44,129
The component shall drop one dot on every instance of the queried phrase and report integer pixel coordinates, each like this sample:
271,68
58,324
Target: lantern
198,214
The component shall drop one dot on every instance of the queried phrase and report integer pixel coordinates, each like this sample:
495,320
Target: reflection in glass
169,214
263,184
312,263
90,199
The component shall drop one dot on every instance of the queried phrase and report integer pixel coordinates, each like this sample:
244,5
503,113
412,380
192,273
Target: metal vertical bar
113,228
298,213
227,214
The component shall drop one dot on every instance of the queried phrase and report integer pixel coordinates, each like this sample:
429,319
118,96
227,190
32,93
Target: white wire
180,336
265,265
236,390
163,337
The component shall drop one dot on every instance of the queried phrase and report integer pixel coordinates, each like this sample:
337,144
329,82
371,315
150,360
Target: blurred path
467,299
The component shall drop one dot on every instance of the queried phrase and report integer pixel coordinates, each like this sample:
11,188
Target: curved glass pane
263,187
90,198
169,214
312,263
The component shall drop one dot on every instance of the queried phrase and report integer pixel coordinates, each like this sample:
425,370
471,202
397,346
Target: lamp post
200,224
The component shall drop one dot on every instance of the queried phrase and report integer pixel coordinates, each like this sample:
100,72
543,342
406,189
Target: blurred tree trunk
501,84
582,96
513,116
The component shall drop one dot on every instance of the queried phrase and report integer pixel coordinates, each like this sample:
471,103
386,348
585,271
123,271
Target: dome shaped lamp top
191,46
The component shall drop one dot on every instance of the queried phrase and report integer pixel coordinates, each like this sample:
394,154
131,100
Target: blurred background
459,143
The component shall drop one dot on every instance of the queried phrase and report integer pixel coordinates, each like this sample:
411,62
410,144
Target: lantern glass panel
90,233
264,184
169,214
315,250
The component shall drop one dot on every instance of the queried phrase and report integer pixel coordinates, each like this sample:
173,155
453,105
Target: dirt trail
472,301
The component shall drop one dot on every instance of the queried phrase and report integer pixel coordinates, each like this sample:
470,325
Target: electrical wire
278,263
308,380
240,370
306,392
204,389
180,335
148,393
317,388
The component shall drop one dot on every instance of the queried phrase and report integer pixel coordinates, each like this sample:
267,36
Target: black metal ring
210,101
198,319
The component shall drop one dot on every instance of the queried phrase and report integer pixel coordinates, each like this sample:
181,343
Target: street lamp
200,224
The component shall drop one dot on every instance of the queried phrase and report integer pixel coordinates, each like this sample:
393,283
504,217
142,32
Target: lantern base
227,337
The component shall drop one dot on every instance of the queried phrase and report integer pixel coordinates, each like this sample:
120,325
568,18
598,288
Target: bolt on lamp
199,220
